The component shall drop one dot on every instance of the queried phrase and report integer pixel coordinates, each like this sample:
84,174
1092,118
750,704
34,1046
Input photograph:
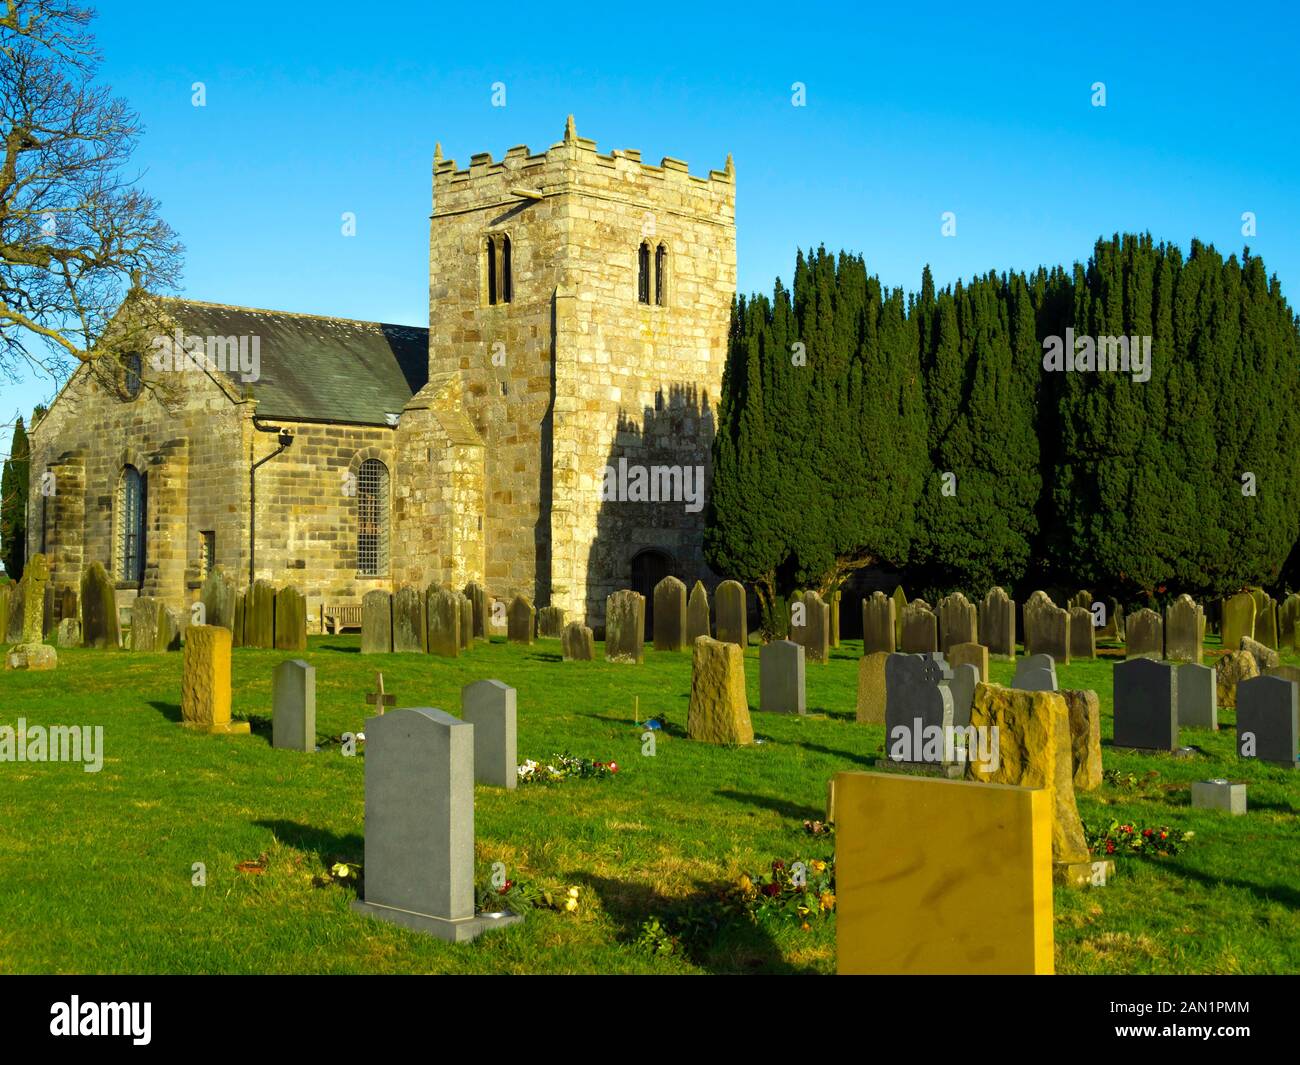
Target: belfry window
661,275
643,273
130,515
500,283
372,518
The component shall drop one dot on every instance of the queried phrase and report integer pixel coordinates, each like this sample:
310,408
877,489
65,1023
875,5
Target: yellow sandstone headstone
205,682
871,687
719,708
941,877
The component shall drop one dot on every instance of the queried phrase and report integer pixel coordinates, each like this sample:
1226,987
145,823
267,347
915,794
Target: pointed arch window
372,518
643,273
130,518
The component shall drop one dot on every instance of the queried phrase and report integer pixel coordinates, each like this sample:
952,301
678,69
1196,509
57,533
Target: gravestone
408,620
467,621
1144,635
1238,619
919,708
577,644
489,706
14,630
32,654
99,625
290,619
1285,672
144,623
442,621
550,622
237,633
1146,705
1184,620
878,624
1081,598
1047,629
670,615
815,633
521,620
1268,721
419,850
871,687
718,711
293,706
964,679
379,700
4,611
625,627
218,598
1114,621
781,678
259,615
1266,623
1036,673
958,621
1085,737
478,598
1287,616
833,603
697,614
975,654
900,604
67,602
1219,795
69,634
920,629
1083,637
1230,670
1265,657
732,614
205,682
997,623
377,623
1198,704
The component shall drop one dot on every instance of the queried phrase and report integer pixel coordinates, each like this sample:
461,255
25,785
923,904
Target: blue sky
984,110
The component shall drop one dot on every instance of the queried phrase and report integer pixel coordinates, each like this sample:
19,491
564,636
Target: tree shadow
710,937
340,647
849,756
544,656
171,711
791,810
1279,893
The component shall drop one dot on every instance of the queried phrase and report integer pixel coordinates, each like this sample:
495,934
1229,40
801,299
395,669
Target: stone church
549,434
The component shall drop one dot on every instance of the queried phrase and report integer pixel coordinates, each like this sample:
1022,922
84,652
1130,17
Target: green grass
95,869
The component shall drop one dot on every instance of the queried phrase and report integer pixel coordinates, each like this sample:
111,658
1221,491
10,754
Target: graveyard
100,867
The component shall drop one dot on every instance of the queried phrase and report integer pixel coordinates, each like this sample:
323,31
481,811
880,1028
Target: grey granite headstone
577,644
1035,673
998,623
625,627
408,620
377,623
1198,697
489,706
917,700
1219,795
1268,723
878,624
731,613
442,621
1146,705
293,706
697,614
962,686
670,615
419,856
781,678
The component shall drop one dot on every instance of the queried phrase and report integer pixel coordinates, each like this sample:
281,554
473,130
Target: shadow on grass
784,807
339,647
171,711
543,656
668,729
1279,893
708,936
261,725
849,756
328,847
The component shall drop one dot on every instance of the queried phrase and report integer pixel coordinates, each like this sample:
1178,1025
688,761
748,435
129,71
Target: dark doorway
649,567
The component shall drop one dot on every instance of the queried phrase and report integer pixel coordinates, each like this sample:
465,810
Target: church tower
578,314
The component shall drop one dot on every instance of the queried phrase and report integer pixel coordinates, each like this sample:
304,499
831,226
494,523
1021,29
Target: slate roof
314,368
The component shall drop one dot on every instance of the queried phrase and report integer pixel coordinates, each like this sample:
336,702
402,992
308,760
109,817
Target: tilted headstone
1035,673
99,625
259,616
731,613
718,711
958,621
550,622
1268,722
1198,702
1265,657
1287,616
878,624
377,622
1146,705
442,621
419,852
815,633
290,619
218,598
408,620
205,682
32,654
781,678
490,707
625,627
1285,672
975,654
478,597
1085,737
670,615
1047,629
144,623
577,644
521,620
467,622
871,687
920,629
1229,671
697,614
1184,619
1083,639
293,706
998,623
918,701
1238,619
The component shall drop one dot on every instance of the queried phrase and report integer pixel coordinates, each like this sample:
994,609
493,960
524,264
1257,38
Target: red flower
1164,835
778,864
1110,847
505,887
613,767
1148,833
771,889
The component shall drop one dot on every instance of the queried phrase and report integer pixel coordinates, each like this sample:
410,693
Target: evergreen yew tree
14,480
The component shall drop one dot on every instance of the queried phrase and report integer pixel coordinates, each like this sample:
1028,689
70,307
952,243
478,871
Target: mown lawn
95,868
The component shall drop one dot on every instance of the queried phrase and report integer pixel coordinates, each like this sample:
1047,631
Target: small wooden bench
335,618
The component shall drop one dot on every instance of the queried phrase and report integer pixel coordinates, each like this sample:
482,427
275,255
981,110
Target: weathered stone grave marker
781,678
293,706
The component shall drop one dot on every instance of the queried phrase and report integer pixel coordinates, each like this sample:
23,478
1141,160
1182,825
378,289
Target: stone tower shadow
640,540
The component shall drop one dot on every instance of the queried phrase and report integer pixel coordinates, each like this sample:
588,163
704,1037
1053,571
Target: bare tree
77,237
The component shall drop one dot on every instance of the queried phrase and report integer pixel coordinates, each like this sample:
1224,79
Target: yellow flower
573,892
746,885
828,900
818,865
570,904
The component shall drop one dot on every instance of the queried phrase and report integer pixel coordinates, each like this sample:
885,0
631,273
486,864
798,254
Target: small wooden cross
377,698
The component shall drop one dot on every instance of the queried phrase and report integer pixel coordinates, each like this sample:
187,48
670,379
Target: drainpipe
285,439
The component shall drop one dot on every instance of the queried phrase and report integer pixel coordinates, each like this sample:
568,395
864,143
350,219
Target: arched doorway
649,567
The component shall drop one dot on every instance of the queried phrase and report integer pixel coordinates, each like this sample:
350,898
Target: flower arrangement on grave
519,896
802,891
1131,781
562,766
1159,841
340,872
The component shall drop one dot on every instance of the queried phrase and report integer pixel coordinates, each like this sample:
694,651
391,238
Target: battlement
574,164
